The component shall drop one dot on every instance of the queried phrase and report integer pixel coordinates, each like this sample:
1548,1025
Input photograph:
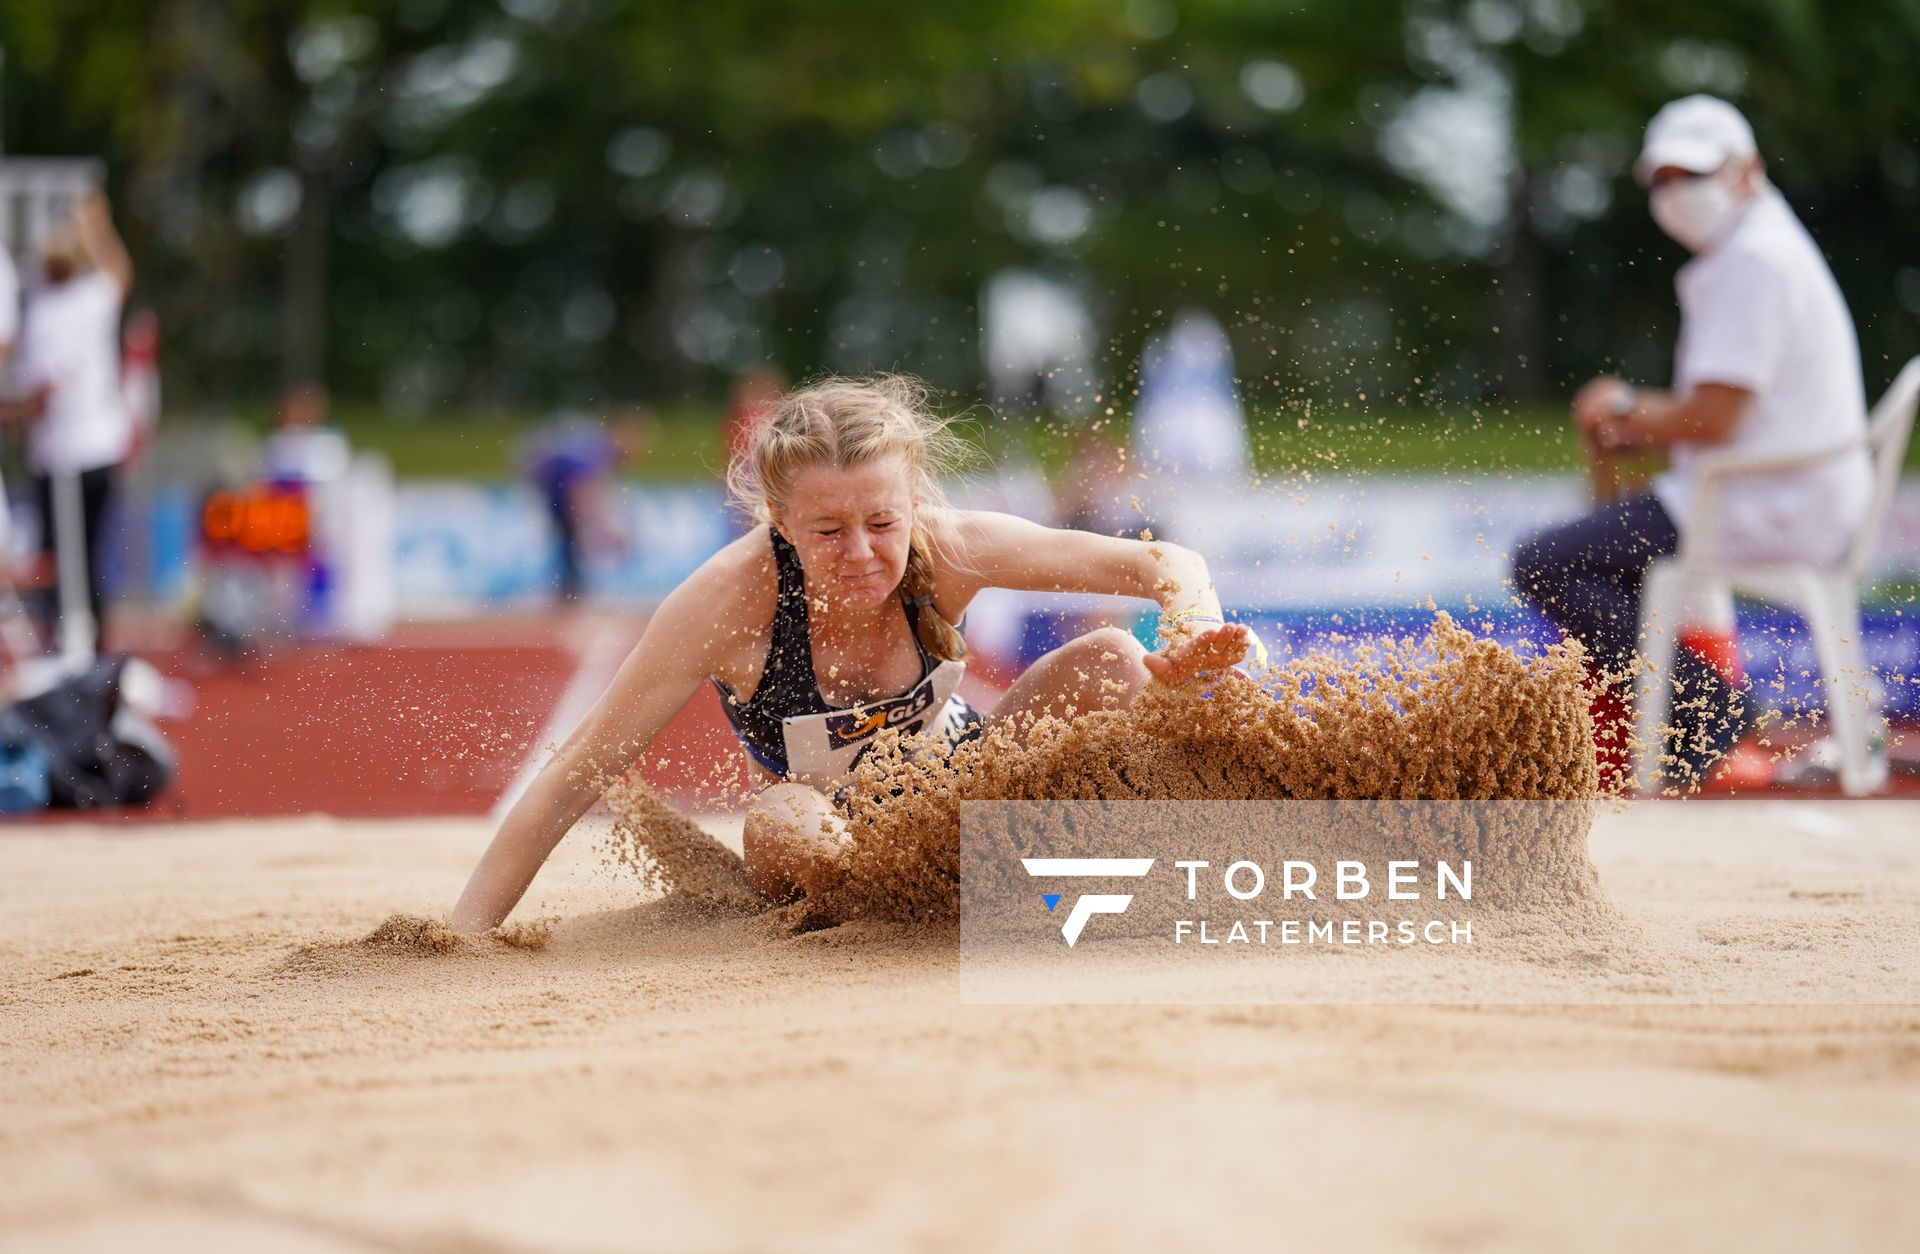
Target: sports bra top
789,728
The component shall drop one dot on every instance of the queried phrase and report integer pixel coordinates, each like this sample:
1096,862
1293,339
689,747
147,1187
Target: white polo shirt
1761,311
70,342
9,300
9,332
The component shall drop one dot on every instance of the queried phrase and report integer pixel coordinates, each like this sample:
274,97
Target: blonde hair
845,423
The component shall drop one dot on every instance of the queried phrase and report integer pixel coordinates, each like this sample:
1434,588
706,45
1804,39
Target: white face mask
1697,212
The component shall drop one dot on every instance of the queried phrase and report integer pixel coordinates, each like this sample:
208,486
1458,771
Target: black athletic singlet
790,729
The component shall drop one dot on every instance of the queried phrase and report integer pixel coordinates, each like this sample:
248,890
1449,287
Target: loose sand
1446,716
219,1037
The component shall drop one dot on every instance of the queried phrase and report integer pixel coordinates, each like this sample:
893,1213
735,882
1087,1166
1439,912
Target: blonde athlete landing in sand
834,618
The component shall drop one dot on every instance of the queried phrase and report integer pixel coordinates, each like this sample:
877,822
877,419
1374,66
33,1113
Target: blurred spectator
308,455
1189,420
1095,491
571,462
1036,335
304,446
69,366
9,306
9,332
140,378
1189,432
755,394
300,545
1767,363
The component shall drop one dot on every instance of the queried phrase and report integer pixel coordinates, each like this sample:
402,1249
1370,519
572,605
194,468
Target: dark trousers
1586,576
567,531
97,490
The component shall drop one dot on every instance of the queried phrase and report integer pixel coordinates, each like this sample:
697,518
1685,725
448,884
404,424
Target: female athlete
833,619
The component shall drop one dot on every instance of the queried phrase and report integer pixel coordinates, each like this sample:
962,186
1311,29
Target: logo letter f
1087,906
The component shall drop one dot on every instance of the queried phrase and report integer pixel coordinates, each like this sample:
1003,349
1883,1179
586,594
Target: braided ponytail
937,635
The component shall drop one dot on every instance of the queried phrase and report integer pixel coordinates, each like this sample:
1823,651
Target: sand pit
1422,748
206,1050
261,1034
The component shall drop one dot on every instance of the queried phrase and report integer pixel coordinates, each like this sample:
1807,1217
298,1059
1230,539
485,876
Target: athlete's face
851,529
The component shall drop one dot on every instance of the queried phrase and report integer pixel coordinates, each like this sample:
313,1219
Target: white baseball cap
1697,133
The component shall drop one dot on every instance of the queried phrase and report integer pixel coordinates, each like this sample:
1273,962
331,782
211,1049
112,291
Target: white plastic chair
1695,587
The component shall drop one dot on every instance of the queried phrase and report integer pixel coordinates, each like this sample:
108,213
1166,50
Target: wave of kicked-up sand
1446,717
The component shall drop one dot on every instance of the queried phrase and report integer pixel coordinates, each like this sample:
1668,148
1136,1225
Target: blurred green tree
514,203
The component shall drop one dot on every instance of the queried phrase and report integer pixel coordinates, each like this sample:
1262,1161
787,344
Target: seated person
1767,363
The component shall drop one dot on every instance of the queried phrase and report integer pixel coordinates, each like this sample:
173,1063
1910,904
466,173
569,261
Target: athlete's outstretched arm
1004,551
660,676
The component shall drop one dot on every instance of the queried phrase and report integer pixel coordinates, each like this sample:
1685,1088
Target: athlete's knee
1106,665
784,824
1107,648
786,806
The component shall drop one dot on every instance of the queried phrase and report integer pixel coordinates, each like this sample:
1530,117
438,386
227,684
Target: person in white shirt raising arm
69,368
1767,363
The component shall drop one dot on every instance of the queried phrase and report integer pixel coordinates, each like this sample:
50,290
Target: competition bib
827,746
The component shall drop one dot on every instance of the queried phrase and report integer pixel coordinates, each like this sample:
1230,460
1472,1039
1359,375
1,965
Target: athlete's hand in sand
1216,649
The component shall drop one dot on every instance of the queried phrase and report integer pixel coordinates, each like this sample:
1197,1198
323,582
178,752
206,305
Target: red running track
440,719
436,720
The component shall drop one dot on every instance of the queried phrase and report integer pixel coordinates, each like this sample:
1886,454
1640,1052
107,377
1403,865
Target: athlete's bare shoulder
970,527
969,536
960,538
731,597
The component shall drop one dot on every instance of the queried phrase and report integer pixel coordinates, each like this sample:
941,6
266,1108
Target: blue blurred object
24,783
1783,672
564,452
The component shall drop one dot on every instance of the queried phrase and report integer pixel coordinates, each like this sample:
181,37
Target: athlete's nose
859,545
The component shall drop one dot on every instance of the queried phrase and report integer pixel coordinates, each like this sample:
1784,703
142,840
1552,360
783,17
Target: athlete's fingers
1216,649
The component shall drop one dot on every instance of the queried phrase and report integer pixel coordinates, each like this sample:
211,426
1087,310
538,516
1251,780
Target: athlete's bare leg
791,837
1092,672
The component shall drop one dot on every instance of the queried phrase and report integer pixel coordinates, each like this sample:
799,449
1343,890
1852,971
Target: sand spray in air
670,853
1447,716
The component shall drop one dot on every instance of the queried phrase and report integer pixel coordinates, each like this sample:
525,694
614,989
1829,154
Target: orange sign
264,519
